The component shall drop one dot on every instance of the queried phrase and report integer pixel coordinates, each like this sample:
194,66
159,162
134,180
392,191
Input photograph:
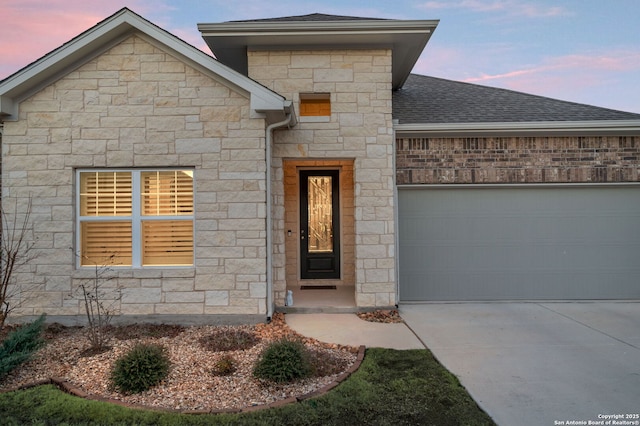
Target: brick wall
518,160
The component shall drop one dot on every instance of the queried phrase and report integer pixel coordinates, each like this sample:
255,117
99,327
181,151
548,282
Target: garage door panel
519,243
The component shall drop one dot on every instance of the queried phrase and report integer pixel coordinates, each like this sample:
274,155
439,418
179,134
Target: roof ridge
312,17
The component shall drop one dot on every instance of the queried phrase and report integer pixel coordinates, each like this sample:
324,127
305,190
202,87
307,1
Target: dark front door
319,224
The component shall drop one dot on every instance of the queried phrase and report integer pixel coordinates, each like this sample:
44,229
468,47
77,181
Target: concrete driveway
539,363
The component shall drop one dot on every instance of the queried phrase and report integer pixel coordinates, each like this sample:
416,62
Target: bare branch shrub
16,245
100,303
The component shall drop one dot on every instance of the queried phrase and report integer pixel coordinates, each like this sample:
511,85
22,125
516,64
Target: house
306,158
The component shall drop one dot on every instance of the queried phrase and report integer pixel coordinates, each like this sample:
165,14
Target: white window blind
105,194
117,230
167,193
106,243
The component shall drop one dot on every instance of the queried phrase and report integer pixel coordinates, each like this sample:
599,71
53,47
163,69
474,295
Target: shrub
283,361
140,369
224,366
20,345
16,244
229,339
100,304
326,363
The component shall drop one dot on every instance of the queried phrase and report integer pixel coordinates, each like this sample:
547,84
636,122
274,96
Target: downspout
268,141
396,221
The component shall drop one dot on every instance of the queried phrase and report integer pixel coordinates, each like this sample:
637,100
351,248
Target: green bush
140,369
20,345
283,361
224,366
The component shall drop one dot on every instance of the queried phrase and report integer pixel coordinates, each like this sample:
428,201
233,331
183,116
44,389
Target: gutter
529,128
269,219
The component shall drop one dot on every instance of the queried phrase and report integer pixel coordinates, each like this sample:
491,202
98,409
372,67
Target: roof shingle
432,100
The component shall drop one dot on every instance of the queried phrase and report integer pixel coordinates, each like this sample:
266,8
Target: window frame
136,218
315,99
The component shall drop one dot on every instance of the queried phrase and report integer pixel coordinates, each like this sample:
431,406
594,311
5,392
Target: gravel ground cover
192,383
383,316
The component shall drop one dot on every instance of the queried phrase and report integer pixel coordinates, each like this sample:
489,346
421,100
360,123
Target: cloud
29,29
579,64
508,7
596,78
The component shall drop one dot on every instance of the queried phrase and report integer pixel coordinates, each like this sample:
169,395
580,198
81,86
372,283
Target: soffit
230,41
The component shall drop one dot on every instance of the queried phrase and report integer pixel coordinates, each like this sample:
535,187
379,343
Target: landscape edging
71,389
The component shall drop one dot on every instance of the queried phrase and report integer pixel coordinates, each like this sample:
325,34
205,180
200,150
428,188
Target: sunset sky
585,51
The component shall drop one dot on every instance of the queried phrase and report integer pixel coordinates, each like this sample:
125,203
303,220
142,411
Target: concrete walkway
539,363
348,329
524,363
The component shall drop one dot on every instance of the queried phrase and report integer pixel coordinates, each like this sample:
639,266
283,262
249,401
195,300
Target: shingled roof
432,100
313,17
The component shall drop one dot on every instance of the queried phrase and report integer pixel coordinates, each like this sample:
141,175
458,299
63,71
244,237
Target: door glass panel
320,214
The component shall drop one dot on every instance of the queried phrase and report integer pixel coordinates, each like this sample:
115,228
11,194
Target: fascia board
89,44
319,27
260,97
533,128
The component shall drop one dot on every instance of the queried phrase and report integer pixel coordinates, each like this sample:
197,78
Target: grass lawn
390,388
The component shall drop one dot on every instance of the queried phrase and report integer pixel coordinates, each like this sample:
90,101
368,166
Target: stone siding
359,130
137,106
292,219
592,159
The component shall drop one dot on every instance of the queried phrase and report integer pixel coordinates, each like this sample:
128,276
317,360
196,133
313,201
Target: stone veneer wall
518,160
359,129
137,106
292,220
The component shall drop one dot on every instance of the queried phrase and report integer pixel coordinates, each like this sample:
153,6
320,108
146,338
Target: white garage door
519,243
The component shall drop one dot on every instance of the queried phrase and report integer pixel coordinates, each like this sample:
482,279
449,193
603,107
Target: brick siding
593,159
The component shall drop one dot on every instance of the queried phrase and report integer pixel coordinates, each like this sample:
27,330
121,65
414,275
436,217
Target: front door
319,224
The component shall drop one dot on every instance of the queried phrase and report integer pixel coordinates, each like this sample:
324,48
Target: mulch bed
384,316
191,385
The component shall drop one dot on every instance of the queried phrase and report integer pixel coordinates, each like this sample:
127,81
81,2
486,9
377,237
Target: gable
135,84
109,33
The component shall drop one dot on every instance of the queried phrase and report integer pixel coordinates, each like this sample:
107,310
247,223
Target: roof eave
532,128
229,41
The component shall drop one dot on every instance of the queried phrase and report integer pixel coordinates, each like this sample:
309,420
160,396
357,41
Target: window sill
147,272
314,119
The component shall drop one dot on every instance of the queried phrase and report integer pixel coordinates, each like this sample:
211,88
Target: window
315,105
135,217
